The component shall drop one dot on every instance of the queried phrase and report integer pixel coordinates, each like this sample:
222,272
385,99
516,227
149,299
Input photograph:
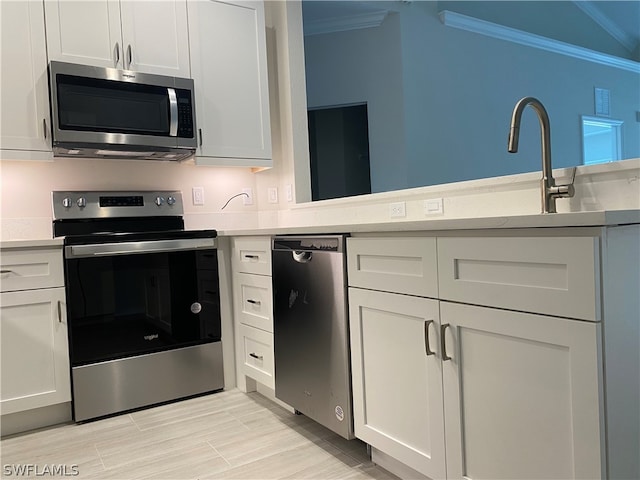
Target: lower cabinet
495,369
34,351
397,377
522,395
511,395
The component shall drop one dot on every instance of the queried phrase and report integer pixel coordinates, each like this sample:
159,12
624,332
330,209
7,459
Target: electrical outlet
247,199
289,192
198,195
272,194
434,206
397,209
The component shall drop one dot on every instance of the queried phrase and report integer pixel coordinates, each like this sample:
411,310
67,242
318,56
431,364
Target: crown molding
344,23
471,24
607,24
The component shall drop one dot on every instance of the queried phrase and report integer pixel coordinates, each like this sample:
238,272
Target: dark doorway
339,150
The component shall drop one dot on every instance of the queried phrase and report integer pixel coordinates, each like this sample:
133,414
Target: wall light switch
434,206
198,195
272,194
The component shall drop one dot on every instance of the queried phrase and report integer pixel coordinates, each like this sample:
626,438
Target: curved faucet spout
548,186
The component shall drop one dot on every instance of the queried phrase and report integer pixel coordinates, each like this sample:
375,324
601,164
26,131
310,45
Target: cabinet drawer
252,255
254,301
257,353
401,265
554,276
28,268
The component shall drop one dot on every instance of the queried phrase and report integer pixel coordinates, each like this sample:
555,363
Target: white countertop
50,242
574,219
554,220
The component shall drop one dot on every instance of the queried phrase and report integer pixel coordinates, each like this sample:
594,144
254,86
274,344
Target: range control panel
86,204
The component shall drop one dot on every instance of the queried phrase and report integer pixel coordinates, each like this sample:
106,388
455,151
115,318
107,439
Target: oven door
132,298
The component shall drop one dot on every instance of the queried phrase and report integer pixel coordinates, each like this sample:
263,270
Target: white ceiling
620,18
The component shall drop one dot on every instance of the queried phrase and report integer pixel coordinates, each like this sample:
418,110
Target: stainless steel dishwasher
311,329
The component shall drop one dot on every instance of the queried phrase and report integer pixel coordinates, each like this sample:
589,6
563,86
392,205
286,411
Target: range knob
159,201
82,202
66,202
171,200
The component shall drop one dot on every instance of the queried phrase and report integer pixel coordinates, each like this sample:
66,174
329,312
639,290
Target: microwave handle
173,112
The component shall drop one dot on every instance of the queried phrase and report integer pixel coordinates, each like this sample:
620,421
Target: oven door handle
133,248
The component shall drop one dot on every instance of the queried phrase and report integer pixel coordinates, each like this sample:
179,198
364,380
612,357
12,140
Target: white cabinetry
229,66
513,382
253,311
146,36
518,383
24,97
396,375
35,358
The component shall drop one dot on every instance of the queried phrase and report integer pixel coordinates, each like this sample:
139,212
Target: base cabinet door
35,358
397,377
522,395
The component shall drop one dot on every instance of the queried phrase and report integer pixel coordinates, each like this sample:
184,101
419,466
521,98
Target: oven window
125,305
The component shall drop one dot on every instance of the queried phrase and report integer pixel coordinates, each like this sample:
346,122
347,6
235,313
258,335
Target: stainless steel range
143,302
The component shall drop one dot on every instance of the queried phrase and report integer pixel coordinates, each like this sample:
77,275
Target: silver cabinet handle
44,127
443,328
5,272
253,355
427,347
59,311
251,256
200,135
253,302
116,55
129,57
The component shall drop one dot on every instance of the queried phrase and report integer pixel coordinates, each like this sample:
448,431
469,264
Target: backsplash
25,203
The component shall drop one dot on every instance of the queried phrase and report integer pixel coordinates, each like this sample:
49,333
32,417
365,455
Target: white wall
364,66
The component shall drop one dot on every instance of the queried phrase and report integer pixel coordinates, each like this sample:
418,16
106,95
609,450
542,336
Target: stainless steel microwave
108,113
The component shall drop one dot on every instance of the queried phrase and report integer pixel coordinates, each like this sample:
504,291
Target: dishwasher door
311,329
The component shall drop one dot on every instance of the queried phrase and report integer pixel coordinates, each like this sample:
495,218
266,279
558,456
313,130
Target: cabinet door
522,395
24,98
397,382
155,37
229,67
35,357
84,32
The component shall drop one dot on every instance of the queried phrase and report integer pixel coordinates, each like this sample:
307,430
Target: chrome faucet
548,187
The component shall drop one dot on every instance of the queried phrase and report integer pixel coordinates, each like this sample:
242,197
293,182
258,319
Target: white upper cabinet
229,65
24,97
145,36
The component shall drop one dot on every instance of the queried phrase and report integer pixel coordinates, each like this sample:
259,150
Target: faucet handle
562,191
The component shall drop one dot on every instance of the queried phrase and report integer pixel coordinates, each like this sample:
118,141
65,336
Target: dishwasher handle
301,256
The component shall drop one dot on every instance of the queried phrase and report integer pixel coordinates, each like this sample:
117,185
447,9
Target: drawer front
553,276
28,268
401,265
257,351
254,301
252,255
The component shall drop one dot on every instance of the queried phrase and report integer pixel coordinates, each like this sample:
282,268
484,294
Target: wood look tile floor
227,435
